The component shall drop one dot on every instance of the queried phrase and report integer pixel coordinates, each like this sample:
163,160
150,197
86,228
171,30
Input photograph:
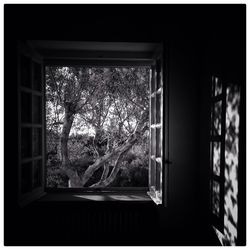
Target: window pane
37,173
26,142
26,177
26,107
153,110
25,71
37,77
158,142
216,198
153,142
217,118
153,81
158,80
217,86
158,176
152,173
37,141
158,108
216,158
37,109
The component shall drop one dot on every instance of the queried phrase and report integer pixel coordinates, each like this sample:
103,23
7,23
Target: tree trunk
104,159
67,124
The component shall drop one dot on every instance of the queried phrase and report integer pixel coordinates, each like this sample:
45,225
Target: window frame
124,59
24,50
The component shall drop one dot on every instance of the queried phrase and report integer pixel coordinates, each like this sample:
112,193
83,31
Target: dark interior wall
184,30
183,137
224,55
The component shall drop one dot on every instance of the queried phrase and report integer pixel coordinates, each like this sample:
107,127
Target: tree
112,101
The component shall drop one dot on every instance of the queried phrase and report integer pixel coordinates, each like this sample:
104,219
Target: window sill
92,197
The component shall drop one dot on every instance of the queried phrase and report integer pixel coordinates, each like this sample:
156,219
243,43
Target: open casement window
224,159
31,125
31,106
156,133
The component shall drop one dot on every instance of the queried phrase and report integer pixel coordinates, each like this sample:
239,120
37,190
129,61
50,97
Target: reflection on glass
217,118
217,86
216,158
216,198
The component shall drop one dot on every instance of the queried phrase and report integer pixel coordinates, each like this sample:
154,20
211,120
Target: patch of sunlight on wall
231,166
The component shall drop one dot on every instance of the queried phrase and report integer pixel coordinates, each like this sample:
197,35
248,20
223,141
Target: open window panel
31,126
224,159
156,169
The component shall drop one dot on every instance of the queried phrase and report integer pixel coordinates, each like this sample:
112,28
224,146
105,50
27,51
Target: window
224,159
31,129
32,176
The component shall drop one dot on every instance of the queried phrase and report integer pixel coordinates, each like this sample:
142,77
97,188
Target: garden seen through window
97,126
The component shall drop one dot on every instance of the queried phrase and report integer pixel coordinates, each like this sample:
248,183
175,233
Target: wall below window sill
96,196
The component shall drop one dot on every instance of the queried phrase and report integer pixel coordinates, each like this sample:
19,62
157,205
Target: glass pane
217,118
153,141
158,108
216,198
37,173
217,86
37,141
25,107
158,176
216,157
158,142
152,110
25,71
26,142
26,177
37,80
37,109
152,173
153,81
158,80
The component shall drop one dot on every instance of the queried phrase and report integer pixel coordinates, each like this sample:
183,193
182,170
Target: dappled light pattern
231,166
216,157
216,198
217,118
218,86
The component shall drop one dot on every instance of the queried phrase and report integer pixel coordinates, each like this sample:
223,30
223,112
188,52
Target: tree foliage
95,117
